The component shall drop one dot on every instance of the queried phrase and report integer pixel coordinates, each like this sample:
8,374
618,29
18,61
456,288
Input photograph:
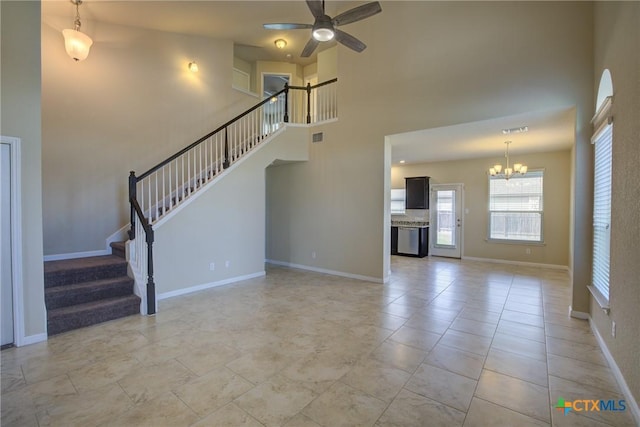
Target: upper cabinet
417,192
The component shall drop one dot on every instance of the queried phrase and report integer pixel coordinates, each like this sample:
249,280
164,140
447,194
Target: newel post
308,102
286,103
151,286
132,196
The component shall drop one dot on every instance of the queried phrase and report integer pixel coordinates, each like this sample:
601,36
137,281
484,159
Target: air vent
317,137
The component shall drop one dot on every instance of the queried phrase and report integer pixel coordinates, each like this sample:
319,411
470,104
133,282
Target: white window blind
397,201
516,207
602,210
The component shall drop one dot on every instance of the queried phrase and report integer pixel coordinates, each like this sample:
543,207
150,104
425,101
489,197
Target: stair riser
70,277
67,298
68,322
119,252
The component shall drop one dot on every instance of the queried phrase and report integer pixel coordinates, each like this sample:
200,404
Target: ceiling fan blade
349,41
316,7
357,13
309,47
286,26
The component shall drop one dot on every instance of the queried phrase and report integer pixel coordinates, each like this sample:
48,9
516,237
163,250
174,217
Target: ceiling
550,130
241,22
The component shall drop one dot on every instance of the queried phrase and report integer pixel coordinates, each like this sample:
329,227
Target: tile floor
445,343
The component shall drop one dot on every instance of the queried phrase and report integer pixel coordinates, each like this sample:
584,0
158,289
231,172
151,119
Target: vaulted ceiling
241,22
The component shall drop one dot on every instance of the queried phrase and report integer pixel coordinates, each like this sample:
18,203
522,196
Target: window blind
602,210
515,207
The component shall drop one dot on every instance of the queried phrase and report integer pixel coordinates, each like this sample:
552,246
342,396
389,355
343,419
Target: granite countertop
405,223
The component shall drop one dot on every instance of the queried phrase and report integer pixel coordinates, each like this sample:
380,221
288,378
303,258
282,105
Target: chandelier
508,171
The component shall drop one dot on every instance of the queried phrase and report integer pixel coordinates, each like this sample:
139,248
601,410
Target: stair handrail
148,231
136,209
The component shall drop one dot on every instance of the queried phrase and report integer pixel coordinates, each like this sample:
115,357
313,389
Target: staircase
85,291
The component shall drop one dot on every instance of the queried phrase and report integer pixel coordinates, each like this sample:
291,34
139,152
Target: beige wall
225,223
21,118
129,105
617,43
327,64
249,68
453,62
473,174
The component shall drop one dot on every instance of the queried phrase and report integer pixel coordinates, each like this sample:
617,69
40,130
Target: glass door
446,220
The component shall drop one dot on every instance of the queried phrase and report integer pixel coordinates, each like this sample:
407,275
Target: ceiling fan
324,27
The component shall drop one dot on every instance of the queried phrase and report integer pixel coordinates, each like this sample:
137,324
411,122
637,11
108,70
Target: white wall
129,105
21,118
473,174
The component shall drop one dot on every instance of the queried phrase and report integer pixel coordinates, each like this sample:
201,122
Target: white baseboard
32,339
578,314
522,263
74,255
629,398
204,286
325,271
118,236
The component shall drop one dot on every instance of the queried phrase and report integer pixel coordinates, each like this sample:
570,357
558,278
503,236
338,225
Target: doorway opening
273,83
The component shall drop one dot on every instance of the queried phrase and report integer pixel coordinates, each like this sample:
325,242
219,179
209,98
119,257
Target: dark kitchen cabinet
417,192
394,240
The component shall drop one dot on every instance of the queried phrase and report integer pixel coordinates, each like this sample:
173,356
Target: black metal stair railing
165,186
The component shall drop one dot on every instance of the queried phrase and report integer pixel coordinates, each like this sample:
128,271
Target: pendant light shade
76,43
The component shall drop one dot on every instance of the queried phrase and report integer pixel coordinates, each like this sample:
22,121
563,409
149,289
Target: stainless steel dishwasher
408,240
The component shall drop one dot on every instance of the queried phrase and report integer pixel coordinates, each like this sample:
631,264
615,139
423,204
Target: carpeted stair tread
69,271
80,293
118,249
77,316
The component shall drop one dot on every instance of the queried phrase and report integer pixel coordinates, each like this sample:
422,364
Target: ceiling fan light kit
324,27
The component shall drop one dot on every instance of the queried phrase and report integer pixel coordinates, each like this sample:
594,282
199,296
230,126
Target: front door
446,220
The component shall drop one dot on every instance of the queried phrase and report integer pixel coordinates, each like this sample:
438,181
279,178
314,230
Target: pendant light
518,168
76,43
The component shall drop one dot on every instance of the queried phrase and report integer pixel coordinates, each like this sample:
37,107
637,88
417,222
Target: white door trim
459,188
16,240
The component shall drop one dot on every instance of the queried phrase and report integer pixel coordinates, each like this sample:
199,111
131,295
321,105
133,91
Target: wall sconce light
76,43
280,43
193,67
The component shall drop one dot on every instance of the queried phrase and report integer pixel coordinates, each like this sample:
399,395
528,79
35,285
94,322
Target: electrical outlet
313,254
613,329
528,251
212,266
227,263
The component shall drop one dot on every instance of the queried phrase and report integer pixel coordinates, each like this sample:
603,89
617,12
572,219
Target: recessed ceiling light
519,129
280,43
402,161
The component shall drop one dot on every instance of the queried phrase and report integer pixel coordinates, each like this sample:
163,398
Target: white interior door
445,207
6,276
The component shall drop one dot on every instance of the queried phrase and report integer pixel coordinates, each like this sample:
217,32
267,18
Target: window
602,210
397,201
515,208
